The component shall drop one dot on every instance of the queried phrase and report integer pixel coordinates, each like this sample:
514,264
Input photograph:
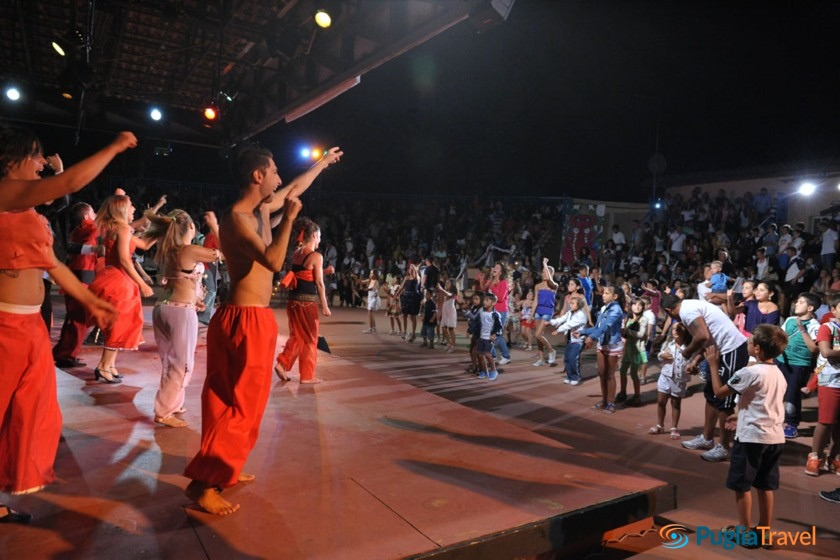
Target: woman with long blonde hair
174,318
119,283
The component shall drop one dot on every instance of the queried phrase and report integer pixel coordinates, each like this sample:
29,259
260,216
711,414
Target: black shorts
484,346
754,465
729,364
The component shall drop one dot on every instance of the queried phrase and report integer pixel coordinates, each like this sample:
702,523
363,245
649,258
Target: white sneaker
567,381
552,357
699,442
716,454
574,382
539,363
503,361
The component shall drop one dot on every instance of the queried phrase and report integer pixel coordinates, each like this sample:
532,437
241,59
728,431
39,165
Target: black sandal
13,516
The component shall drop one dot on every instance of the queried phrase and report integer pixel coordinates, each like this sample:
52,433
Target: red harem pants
240,351
30,419
303,338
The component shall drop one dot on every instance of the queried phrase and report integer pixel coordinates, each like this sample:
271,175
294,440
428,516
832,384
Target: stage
398,454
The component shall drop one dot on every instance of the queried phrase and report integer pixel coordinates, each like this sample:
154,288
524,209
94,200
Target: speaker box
490,13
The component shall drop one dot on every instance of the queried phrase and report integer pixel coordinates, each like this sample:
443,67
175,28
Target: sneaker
621,397
552,357
791,432
812,465
699,442
503,361
567,381
574,382
831,495
482,375
539,363
716,454
368,331
493,375
635,400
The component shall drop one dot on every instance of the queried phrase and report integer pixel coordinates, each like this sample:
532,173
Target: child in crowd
491,327
570,324
716,284
828,395
795,362
513,327
759,435
429,320
471,314
650,315
673,380
607,335
373,301
526,314
448,315
394,311
635,333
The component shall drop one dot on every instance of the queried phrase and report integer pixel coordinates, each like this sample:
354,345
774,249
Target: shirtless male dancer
243,332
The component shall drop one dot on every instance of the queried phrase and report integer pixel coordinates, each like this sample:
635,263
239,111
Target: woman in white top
372,285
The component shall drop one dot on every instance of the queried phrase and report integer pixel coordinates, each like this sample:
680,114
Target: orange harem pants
240,359
30,419
303,338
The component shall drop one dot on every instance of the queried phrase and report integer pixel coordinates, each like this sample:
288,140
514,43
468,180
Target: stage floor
399,453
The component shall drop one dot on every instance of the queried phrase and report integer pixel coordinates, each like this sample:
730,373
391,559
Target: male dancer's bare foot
209,499
312,381
245,477
281,373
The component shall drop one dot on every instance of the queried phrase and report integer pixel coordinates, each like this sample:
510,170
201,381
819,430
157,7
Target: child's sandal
675,434
655,430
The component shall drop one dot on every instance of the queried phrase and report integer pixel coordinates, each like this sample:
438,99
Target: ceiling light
13,93
323,19
155,114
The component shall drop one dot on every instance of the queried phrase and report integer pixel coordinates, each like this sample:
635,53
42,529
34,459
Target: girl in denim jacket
607,335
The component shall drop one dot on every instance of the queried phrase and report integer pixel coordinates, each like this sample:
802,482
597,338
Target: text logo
673,536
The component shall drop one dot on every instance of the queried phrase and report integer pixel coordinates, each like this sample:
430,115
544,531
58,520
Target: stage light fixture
13,93
807,189
155,114
210,113
305,153
316,153
73,39
323,18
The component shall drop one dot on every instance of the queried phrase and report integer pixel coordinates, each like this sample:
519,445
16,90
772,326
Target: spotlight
73,39
323,19
13,93
807,189
305,153
316,154
155,114
210,113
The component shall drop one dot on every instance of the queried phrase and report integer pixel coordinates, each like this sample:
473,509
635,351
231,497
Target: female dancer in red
30,419
306,282
119,283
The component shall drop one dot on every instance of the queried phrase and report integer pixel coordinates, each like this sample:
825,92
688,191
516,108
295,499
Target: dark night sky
563,99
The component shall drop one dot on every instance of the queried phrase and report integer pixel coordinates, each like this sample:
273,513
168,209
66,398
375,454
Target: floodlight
155,114
323,19
13,93
807,189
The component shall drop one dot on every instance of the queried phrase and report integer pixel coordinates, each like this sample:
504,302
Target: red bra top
25,241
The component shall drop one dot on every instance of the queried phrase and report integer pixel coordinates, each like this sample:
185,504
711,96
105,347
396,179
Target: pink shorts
829,405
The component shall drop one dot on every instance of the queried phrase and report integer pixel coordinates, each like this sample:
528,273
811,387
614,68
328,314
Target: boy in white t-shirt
758,425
